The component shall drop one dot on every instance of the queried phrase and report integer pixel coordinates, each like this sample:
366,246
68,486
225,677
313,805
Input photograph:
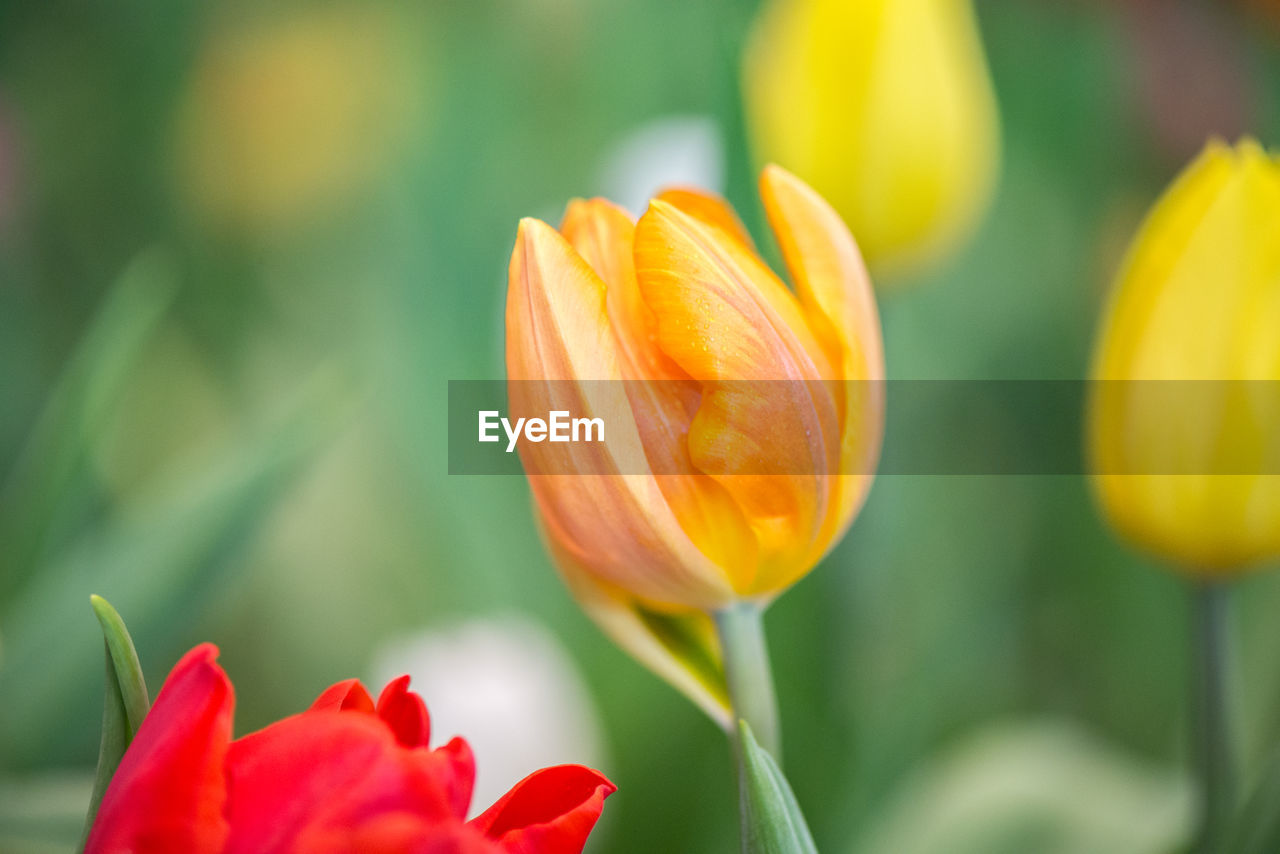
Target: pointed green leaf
124,666
125,703
771,820
115,740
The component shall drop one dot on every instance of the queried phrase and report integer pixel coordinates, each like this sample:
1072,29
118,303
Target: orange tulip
757,412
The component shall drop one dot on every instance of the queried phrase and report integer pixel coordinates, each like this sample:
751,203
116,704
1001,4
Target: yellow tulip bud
1187,469
886,107
739,491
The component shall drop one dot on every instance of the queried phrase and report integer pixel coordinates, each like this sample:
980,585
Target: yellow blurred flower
289,117
886,107
1181,467
737,493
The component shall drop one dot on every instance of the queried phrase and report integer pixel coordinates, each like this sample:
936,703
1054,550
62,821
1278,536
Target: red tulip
347,775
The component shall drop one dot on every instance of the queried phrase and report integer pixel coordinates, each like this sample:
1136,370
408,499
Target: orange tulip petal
613,518
728,321
834,288
603,233
708,208
663,398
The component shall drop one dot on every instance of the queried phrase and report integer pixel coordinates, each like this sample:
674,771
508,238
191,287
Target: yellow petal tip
774,172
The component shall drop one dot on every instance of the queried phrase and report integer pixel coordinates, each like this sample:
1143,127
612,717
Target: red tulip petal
405,713
457,771
169,791
397,833
346,696
551,811
324,770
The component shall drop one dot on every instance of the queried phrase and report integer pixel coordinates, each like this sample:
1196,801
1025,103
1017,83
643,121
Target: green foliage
125,700
772,821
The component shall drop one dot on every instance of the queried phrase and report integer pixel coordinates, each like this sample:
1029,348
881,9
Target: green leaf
771,818
124,670
1256,829
125,703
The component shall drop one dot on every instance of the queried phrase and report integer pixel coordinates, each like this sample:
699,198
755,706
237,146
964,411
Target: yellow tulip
1182,468
745,482
887,108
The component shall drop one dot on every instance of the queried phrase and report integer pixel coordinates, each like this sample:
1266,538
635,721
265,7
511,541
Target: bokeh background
242,251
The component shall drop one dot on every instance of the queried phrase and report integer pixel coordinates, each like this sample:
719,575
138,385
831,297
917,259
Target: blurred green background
243,250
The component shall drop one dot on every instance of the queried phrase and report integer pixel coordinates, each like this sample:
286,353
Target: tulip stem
1211,742
747,673
749,679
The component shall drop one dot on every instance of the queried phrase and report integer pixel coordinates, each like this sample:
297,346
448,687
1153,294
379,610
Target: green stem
1211,731
747,673
751,695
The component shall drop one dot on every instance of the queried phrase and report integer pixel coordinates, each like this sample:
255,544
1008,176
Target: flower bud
1184,423
886,108
744,419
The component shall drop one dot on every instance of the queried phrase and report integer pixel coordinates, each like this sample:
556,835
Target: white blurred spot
669,151
508,687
